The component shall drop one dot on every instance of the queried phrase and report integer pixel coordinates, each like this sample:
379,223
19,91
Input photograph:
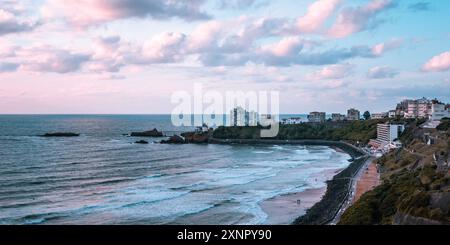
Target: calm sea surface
102,177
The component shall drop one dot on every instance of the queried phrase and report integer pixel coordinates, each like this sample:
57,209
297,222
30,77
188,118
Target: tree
366,115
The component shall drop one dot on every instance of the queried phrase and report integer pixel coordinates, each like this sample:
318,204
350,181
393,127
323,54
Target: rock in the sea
61,134
174,140
195,137
151,133
141,142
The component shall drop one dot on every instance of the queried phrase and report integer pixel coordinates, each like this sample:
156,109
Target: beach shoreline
338,189
284,209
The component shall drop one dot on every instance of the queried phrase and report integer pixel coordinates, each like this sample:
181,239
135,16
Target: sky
130,56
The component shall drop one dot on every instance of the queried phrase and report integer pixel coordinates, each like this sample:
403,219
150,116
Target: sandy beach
284,209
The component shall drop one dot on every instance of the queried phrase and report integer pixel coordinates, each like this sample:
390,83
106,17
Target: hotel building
387,136
388,133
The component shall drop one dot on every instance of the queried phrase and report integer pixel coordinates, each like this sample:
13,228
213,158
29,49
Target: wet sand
368,181
284,209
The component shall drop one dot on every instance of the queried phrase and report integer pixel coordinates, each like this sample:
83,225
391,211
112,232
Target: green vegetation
366,115
410,179
445,125
405,193
358,131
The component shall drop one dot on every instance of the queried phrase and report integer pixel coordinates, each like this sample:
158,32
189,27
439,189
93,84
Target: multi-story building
439,111
336,117
240,117
353,115
237,116
387,136
412,109
423,108
379,115
420,108
402,108
316,117
388,133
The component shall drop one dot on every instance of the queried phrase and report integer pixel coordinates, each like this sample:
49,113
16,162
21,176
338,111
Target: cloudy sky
129,56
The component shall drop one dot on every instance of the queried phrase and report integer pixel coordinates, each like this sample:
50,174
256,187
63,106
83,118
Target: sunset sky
129,56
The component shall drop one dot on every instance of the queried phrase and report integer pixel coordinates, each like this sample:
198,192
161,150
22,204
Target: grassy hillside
415,189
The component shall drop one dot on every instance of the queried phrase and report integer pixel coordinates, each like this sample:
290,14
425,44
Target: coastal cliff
415,185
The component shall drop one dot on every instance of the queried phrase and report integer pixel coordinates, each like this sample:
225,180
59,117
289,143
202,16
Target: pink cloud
352,20
332,72
164,48
382,48
9,23
438,63
318,12
206,35
84,13
285,47
381,72
50,59
334,84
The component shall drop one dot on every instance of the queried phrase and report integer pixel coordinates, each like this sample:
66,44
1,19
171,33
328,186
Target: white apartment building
438,112
316,117
237,117
240,117
388,133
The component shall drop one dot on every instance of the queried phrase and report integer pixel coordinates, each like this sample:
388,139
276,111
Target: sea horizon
38,179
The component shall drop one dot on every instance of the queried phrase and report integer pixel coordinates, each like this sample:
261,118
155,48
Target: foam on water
101,177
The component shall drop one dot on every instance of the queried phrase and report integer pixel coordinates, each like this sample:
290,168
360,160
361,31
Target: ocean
102,177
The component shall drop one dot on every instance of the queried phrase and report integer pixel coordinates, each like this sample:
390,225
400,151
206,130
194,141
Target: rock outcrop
196,138
151,133
176,139
141,142
61,134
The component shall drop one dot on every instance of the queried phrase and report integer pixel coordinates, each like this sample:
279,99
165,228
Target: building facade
420,108
380,115
353,115
388,133
336,117
439,111
316,117
238,116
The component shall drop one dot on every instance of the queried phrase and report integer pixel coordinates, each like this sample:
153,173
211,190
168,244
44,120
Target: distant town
430,111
